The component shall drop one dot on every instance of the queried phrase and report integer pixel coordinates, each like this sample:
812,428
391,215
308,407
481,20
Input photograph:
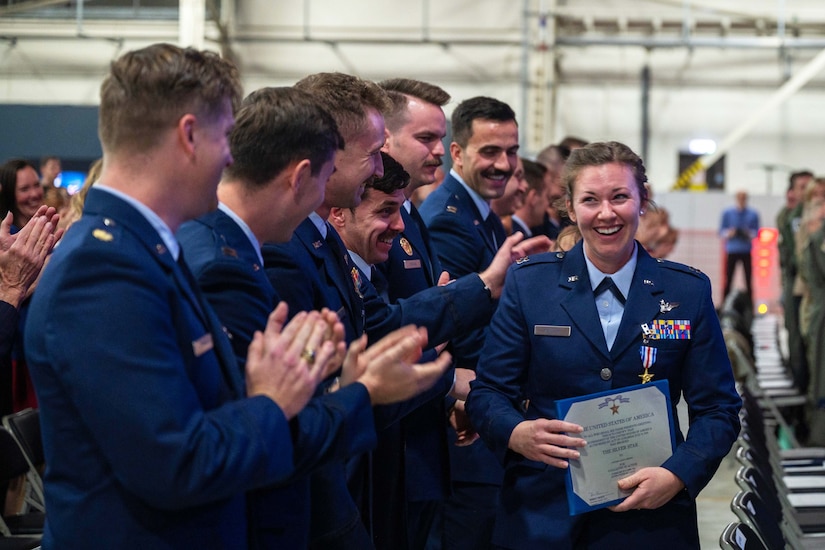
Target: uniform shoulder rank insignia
523,259
229,251
102,235
405,246
356,280
452,209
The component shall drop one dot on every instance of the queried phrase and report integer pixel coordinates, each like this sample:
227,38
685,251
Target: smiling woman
600,299
20,191
605,196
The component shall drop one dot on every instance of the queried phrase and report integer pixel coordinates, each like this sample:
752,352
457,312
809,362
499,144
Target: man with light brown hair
151,436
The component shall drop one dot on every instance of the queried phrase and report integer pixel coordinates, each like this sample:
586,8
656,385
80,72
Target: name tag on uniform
412,264
551,330
202,344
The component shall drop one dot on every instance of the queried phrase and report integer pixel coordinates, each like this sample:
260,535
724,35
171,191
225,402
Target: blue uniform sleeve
459,256
126,374
713,403
494,403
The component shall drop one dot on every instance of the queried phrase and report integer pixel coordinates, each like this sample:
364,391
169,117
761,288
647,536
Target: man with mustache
416,127
466,234
369,230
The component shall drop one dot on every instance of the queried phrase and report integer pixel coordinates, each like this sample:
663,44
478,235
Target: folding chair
752,512
13,465
738,536
24,426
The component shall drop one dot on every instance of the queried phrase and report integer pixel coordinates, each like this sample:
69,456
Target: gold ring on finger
308,355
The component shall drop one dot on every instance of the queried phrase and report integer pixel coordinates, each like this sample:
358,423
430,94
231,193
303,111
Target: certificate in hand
626,430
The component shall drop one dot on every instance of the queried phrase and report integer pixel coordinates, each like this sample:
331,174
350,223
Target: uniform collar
622,278
319,223
482,205
154,220
245,228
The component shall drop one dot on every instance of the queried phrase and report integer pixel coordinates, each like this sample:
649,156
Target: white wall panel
473,47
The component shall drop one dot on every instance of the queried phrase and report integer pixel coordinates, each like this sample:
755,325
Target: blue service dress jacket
413,266
307,276
330,428
464,244
521,365
147,441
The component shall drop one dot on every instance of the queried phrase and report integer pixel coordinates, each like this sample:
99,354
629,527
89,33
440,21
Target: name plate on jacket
551,330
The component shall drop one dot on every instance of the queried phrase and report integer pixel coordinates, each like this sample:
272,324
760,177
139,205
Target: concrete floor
713,504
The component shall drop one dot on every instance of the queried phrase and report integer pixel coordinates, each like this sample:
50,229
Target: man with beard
467,234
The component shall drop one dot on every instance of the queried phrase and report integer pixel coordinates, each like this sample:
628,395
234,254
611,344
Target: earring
641,212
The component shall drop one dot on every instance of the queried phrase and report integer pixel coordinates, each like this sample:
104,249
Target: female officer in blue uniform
558,334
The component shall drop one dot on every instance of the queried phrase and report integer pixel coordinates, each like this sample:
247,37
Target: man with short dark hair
369,229
415,127
466,235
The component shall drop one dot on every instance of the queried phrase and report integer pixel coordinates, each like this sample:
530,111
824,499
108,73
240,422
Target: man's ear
455,154
186,132
301,172
336,217
385,147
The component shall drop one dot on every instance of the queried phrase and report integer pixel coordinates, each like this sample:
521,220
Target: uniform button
605,374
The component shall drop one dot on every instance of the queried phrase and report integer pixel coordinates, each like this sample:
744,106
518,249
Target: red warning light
767,235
